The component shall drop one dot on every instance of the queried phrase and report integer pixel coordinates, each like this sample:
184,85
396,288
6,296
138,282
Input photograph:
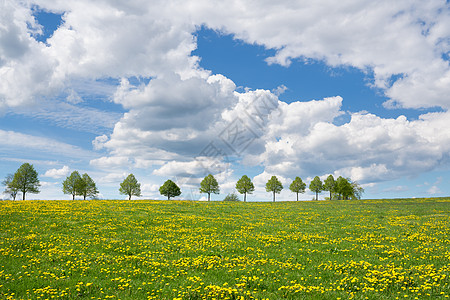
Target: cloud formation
57,173
367,149
174,108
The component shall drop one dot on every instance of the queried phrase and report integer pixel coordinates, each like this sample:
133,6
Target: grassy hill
368,249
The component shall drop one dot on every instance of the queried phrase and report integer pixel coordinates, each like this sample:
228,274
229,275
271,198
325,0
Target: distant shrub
231,197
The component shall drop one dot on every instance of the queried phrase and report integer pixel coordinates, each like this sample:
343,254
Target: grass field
377,249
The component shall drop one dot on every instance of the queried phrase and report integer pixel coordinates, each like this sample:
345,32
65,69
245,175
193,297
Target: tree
348,189
73,184
274,186
297,186
343,188
232,198
170,189
11,187
245,186
88,187
329,185
209,185
316,186
26,180
357,190
130,186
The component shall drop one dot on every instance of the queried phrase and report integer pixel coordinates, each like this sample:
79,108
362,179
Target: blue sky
112,89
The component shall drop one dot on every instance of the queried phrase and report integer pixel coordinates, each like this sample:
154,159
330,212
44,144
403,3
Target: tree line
25,180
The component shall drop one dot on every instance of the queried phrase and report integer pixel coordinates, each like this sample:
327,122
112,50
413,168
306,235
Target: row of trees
341,188
25,180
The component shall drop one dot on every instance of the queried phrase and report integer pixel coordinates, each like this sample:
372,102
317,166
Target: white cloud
57,173
405,38
99,141
113,177
177,108
434,190
383,38
110,162
367,149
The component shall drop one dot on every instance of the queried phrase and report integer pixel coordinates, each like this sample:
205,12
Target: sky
180,89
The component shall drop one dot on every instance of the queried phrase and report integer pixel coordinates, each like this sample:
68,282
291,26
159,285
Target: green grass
372,249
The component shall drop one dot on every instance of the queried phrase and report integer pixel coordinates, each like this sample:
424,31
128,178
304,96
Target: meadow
365,249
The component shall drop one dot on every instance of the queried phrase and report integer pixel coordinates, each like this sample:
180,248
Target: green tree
11,188
245,186
297,186
26,180
274,186
88,187
231,197
316,186
209,185
130,186
73,184
170,189
343,188
329,185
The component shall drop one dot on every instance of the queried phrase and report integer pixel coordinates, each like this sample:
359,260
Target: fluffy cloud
93,41
177,109
57,173
403,44
405,40
367,149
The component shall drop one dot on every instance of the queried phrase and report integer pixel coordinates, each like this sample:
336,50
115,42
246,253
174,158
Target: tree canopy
11,187
88,187
26,180
297,186
346,189
130,186
209,185
329,185
73,184
170,189
316,186
274,186
245,186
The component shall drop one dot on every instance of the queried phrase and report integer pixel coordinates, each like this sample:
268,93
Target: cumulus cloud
57,173
177,109
367,149
405,40
402,44
93,41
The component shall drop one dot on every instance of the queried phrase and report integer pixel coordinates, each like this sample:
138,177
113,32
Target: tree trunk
297,196
209,197
168,197
273,196
23,195
84,196
330,195
317,196
73,196
129,197
245,197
